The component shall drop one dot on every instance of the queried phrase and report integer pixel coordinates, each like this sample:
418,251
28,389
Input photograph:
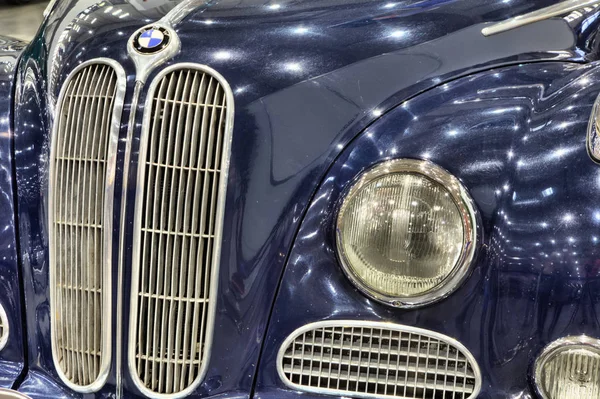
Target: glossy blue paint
12,356
40,385
515,137
308,77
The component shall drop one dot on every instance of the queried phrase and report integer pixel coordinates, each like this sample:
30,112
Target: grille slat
82,164
419,383
377,360
184,152
181,146
410,366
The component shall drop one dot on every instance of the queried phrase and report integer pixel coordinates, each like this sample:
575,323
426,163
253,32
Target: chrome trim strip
465,205
49,8
122,232
182,10
5,328
593,132
538,15
107,215
581,341
370,324
228,132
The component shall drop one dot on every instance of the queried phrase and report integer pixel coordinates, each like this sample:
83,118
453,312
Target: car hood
278,44
343,62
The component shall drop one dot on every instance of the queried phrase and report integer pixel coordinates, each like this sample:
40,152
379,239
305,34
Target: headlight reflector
569,368
406,233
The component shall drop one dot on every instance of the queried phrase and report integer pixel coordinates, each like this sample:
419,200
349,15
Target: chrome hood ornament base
156,43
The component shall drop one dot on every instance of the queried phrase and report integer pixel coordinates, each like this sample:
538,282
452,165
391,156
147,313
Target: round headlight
406,232
569,368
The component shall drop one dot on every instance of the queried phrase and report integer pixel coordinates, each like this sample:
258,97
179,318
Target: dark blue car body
325,89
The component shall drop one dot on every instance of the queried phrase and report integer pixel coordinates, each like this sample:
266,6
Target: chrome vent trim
593,132
184,155
80,191
377,360
4,328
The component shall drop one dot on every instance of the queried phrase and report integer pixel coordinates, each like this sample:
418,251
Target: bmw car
277,199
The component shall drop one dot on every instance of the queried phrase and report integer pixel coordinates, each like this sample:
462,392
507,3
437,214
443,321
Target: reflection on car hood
292,40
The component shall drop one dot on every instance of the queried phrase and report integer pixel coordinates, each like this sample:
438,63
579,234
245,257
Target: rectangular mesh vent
184,156
81,174
377,360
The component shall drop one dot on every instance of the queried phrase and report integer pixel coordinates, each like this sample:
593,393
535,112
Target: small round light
569,368
406,232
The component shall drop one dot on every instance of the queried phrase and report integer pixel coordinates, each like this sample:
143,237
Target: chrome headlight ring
440,178
568,365
4,328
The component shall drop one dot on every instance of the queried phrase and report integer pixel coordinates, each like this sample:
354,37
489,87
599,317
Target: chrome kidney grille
3,328
184,157
377,360
82,168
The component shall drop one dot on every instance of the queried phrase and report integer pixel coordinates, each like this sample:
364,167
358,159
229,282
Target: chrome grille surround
377,360
89,109
4,328
185,124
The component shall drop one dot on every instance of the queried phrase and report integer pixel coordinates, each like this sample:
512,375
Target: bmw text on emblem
151,40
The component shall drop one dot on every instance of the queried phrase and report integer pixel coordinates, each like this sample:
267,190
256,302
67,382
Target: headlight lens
568,368
406,232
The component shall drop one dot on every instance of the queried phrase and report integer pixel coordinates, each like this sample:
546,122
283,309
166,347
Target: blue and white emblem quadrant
151,38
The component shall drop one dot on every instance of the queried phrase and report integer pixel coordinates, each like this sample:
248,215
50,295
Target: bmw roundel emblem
151,40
